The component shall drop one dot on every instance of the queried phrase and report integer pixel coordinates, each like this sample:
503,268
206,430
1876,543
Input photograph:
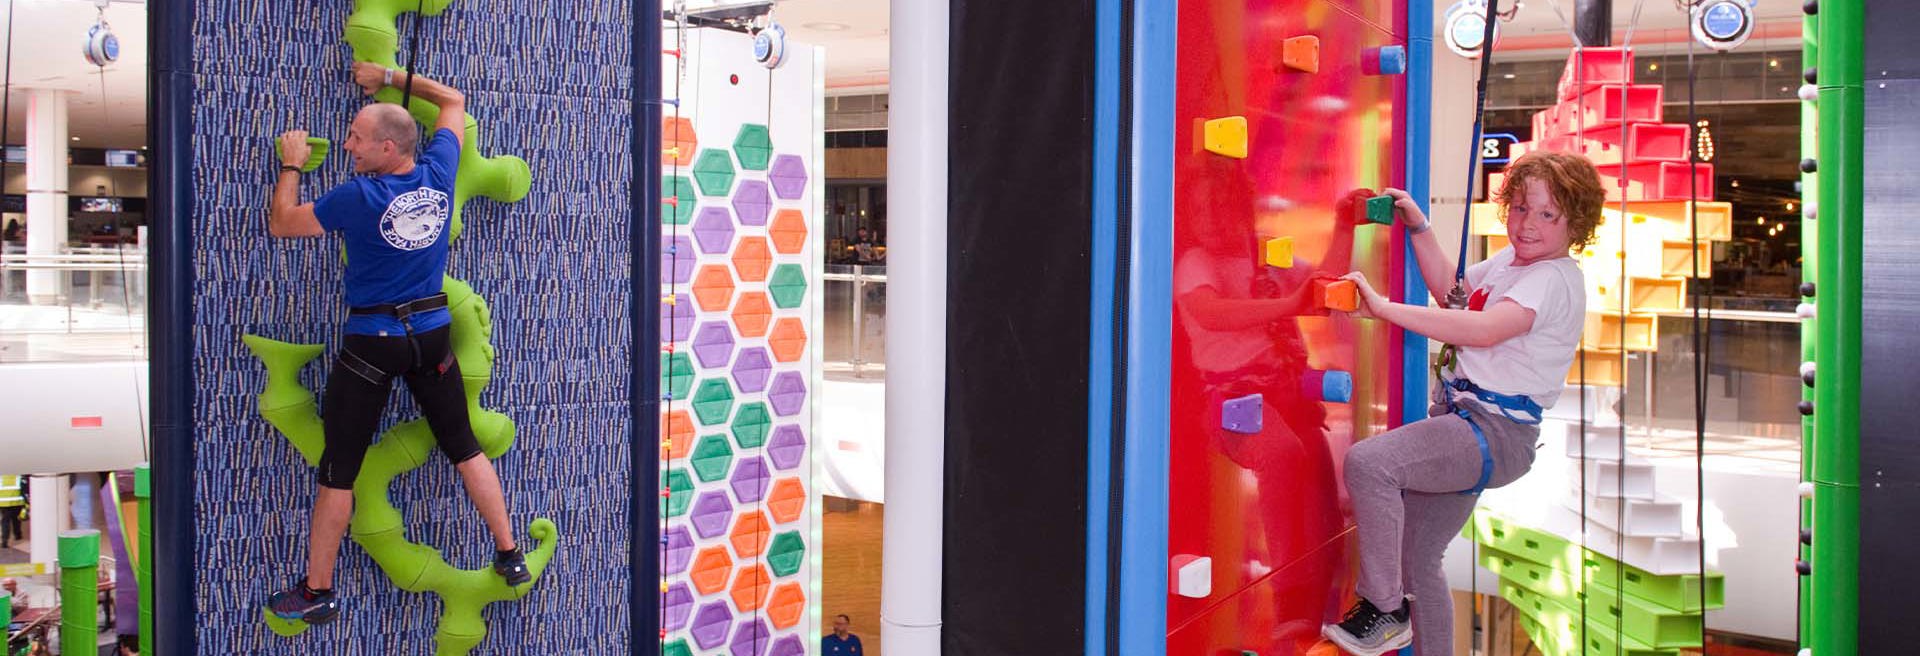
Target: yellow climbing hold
663,585
1226,136
1279,252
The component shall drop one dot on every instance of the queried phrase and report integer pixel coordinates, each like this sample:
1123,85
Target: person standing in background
840,642
12,501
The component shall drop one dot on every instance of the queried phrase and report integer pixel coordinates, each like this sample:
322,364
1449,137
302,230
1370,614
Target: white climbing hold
1807,210
1804,310
1806,369
1809,92
1806,490
1193,576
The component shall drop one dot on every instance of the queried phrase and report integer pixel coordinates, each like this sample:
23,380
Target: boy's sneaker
302,603
512,566
1368,632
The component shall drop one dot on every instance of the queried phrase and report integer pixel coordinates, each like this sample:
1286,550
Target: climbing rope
413,53
1457,297
673,318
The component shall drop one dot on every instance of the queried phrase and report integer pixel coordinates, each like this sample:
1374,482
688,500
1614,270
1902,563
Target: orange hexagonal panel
751,314
710,570
678,427
786,501
677,141
713,288
751,258
789,231
750,588
749,535
789,340
788,602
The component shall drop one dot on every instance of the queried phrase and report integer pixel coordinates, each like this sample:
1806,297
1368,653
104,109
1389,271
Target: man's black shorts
353,405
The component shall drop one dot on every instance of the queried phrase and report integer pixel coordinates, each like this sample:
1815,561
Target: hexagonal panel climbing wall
739,303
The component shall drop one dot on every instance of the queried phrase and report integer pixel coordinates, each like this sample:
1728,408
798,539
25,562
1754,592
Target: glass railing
855,314
1752,381
90,305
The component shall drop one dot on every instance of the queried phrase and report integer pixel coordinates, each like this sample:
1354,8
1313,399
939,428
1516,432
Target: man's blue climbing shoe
301,603
512,566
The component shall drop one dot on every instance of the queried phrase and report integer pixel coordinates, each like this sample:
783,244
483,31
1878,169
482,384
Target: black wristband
289,167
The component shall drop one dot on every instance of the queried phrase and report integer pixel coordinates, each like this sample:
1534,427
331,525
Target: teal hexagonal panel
714,172
679,187
753,147
676,374
713,401
750,425
711,458
680,486
677,648
785,553
788,286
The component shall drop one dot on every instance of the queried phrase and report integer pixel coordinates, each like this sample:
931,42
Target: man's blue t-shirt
395,230
834,646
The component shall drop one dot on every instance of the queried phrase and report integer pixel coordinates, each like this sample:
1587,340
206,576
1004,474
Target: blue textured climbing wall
548,82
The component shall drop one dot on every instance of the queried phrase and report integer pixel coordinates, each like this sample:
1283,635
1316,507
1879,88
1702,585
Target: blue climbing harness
1508,405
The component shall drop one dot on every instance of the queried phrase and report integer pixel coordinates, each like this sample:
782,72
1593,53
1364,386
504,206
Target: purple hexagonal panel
750,480
789,445
710,513
677,259
714,229
751,369
679,549
789,176
751,202
750,638
788,394
676,319
714,344
788,646
679,605
710,625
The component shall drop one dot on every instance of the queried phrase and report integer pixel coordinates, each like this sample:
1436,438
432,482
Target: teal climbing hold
713,401
751,424
785,553
711,458
788,286
753,147
714,171
676,191
679,492
676,374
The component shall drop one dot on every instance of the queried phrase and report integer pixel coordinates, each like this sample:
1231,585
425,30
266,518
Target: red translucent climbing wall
1258,491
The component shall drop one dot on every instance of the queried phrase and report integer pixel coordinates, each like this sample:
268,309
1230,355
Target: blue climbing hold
1393,60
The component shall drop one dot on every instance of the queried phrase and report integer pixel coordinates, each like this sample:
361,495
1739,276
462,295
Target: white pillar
46,189
49,501
910,584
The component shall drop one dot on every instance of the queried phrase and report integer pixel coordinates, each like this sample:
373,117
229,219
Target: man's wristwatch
289,167
389,77
1428,225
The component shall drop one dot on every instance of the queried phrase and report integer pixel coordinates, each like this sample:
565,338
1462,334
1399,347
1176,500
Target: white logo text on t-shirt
414,219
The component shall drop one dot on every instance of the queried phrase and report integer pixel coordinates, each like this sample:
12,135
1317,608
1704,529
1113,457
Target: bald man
393,222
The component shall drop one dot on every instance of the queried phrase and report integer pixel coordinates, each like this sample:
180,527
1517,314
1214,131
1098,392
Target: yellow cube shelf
1614,332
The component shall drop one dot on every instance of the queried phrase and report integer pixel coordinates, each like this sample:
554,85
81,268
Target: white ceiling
854,33
47,41
1537,17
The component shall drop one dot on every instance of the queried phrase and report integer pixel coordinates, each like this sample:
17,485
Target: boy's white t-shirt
1536,362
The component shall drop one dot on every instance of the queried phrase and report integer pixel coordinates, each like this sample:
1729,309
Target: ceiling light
1789,206
1507,76
1760,221
825,26
1653,66
76,138
1773,63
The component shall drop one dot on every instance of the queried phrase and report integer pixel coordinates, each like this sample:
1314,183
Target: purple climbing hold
750,480
677,259
679,606
789,176
788,394
751,369
711,513
714,229
788,646
710,625
679,549
750,638
789,445
676,318
752,203
714,344
1242,415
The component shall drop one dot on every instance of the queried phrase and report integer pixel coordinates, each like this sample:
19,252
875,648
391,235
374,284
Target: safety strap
1507,403
365,370
402,311
1486,454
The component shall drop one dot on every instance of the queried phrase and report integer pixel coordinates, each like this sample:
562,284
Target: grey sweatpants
1405,485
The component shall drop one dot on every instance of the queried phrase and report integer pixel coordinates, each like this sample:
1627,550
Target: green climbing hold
1380,210
315,158
676,196
754,147
785,553
714,172
711,458
713,401
676,374
750,425
680,492
677,648
788,286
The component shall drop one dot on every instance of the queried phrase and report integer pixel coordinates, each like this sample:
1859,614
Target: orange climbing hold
752,258
1339,295
786,500
789,231
1301,53
678,427
749,535
677,141
786,605
789,340
713,288
752,313
710,570
750,588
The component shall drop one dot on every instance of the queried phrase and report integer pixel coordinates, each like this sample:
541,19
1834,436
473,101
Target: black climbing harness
404,313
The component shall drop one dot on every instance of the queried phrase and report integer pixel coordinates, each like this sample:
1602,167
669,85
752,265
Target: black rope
413,53
1457,297
6,96
1701,355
